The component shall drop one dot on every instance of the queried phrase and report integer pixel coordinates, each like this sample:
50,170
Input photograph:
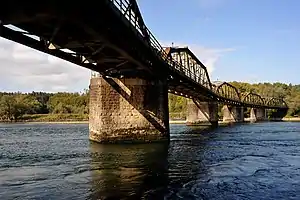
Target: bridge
129,100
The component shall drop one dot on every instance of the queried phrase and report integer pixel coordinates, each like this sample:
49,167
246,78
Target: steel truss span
110,37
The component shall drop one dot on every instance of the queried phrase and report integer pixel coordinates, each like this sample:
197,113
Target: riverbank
52,118
291,119
77,122
288,119
83,118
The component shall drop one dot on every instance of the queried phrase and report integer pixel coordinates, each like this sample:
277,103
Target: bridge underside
97,37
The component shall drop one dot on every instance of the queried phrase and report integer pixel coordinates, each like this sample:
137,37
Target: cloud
208,56
25,69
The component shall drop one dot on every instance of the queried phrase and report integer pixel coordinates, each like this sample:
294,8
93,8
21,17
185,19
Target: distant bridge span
110,37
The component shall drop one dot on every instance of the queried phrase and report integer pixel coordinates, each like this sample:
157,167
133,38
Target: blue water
57,161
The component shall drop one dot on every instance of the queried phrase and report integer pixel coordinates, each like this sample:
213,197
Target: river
244,161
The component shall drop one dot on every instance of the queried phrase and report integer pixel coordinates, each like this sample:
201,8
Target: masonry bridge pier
129,101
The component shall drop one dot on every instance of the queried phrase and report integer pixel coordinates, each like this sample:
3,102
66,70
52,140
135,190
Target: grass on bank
85,117
73,117
54,117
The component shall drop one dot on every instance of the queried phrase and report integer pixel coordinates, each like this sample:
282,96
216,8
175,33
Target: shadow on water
149,171
131,171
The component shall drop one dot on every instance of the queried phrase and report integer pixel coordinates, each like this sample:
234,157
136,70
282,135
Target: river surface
57,161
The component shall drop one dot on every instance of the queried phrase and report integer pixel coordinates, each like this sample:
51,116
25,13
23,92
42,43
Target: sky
250,41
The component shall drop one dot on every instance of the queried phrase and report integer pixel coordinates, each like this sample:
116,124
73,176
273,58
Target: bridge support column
233,113
257,114
128,110
202,113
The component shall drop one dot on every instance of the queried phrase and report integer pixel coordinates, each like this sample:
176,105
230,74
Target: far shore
182,121
76,122
291,119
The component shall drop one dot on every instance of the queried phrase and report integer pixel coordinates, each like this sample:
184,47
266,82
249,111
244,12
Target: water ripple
57,161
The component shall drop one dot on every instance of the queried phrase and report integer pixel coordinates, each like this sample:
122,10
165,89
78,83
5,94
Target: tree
7,103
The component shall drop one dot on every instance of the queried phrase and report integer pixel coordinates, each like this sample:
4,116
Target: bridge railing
124,6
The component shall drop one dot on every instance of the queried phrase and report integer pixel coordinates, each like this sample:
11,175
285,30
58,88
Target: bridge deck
108,36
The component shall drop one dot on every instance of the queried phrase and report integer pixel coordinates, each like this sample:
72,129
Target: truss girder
275,102
254,99
116,41
189,65
228,91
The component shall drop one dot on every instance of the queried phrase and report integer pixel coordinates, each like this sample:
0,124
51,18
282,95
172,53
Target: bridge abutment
128,110
233,113
202,113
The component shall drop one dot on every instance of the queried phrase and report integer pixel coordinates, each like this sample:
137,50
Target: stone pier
202,113
233,113
257,114
128,110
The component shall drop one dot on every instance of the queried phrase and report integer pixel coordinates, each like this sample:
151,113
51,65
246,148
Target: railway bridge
129,100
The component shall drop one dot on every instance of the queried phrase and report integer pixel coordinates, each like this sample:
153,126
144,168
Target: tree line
13,106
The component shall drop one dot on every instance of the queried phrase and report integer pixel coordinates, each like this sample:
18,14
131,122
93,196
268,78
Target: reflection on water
128,170
55,161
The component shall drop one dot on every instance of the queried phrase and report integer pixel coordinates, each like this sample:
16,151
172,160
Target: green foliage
14,106
177,106
6,107
55,117
18,106
63,103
